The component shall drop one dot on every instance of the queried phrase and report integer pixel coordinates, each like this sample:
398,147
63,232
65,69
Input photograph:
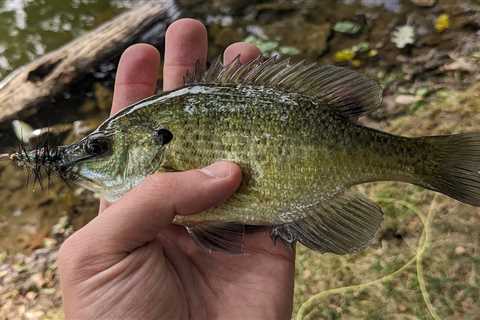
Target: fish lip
71,155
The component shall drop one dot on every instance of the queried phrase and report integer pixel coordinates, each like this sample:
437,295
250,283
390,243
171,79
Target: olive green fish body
293,151
293,130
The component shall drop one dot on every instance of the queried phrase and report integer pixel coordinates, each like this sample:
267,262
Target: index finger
136,79
136,76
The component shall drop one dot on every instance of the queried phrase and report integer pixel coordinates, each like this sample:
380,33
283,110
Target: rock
34,315
49,243
30,295
21,310
461,64
405,99
424,3
460,250
313,43
307,274
348,27
38,280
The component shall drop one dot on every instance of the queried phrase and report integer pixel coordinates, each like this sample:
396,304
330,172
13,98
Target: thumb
138,216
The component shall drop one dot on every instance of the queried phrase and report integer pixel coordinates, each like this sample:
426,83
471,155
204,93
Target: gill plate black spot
163,136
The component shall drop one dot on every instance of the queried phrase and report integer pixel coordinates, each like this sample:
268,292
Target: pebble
460,250
38,280
405,99
34,315
29,284
424,3
30,295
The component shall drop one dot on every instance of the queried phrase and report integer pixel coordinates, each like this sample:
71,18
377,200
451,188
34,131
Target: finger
136,79
246,51
186,44
136,75
138,217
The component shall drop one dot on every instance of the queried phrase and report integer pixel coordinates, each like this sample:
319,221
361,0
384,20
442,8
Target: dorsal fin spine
295,72
344,91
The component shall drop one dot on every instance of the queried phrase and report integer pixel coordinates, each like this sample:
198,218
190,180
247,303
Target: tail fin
455,170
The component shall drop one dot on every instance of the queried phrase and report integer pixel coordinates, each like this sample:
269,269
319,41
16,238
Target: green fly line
423,244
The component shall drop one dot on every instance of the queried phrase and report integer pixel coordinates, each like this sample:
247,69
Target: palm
261,279
195,284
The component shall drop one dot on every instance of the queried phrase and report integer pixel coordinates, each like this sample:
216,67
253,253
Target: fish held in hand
292,128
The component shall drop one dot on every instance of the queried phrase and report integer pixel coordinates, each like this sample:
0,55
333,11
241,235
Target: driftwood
32,84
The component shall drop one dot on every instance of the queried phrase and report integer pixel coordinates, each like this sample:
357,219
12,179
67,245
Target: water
30,28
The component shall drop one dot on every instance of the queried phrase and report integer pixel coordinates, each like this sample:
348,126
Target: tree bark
30,85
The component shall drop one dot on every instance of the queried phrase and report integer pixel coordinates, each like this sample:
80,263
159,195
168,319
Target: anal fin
345,224
224,237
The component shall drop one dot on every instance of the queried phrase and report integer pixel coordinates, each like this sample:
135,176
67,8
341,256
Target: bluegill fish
293,129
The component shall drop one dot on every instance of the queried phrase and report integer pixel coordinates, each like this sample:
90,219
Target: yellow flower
442,23
344,55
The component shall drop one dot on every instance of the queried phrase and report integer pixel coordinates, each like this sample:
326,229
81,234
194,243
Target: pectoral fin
344,224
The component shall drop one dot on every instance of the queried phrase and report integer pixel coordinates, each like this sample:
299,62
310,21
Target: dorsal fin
346,91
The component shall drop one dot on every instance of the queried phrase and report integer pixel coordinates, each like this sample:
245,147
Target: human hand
130,262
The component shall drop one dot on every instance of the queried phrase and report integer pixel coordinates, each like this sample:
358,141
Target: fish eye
97,145
163,136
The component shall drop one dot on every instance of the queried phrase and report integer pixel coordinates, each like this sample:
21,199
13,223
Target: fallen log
28,87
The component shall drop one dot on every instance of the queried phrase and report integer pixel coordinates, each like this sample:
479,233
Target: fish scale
291,174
